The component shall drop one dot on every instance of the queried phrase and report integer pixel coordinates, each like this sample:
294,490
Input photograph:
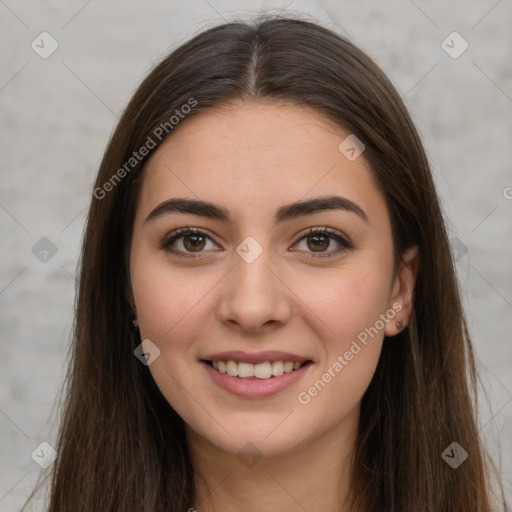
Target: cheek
345,301
168,299
349,321
170,306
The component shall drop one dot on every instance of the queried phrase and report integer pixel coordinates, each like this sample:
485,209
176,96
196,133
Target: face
259,248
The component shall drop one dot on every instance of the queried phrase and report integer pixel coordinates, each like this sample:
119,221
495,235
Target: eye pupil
192,242
321,242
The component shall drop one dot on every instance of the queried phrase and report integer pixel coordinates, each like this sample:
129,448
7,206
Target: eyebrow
284,213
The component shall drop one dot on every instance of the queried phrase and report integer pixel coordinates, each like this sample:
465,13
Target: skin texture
252,159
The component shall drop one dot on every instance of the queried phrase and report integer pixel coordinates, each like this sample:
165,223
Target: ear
402,292
128,293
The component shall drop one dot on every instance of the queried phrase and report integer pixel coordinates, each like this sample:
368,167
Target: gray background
58,113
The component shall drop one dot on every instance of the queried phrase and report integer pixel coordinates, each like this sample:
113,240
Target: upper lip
255,357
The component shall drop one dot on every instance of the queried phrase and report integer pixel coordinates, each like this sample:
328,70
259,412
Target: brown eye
317,242
320,242
194,242
186,242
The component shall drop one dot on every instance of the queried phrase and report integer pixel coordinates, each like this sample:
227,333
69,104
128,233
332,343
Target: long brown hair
121,446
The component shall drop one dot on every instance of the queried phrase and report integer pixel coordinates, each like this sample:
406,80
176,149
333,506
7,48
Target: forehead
255,157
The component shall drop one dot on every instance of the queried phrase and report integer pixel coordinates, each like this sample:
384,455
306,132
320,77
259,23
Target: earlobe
402,292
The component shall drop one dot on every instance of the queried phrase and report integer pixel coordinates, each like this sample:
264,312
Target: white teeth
232,368
277,368
264,370
245,370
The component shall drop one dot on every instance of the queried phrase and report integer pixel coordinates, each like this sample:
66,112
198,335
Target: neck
314,477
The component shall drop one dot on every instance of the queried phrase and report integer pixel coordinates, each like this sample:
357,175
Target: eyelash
180,233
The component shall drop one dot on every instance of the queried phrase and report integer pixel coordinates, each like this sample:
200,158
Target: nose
254,297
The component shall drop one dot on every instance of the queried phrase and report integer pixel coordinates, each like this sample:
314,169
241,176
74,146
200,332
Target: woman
268,316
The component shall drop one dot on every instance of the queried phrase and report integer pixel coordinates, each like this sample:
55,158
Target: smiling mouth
263,370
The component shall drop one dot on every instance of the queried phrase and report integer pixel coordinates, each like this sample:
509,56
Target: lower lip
254,387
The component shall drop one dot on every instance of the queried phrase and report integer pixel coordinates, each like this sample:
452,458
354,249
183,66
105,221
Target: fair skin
252,159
